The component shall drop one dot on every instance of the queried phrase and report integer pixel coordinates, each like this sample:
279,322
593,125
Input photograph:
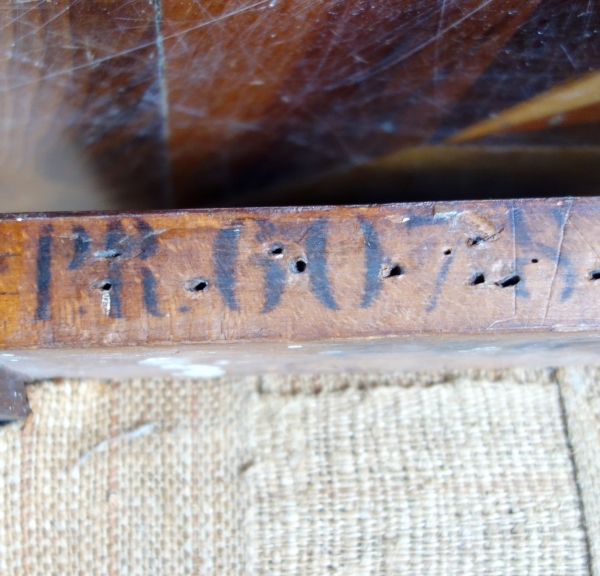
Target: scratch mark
592,247
134,434
438,36
392,61
562,47
69,71
558,257
148,243
514,235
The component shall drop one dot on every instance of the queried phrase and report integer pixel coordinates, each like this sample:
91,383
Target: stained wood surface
229,102
294,274
80,104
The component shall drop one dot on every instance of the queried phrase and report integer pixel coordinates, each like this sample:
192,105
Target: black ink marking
570,279
81,246
561,216
274,284
316,248
225,251
266,230
44,274
417,220
115,236
148,242
150,299
373,260
439,281
523,239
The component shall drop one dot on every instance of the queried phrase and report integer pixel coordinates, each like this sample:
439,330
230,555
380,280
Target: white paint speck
183,368
6,354
106,302
444,215
407,219
294,346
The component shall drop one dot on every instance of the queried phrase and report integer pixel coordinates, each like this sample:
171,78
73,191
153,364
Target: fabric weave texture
494,472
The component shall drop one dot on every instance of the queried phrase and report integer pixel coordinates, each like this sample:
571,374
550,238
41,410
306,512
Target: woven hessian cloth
458,473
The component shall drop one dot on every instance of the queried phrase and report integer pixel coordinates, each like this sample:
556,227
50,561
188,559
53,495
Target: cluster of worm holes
299,265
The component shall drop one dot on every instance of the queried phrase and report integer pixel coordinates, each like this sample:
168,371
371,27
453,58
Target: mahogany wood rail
203,293
131,103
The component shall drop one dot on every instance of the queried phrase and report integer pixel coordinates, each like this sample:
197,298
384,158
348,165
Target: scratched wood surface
295,274
80,106
127,103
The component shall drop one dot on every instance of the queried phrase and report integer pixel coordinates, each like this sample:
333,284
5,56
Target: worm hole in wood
595,274
392,270
510,280
534,260
299,266
447,251
276,251
104,285
478,278
197,285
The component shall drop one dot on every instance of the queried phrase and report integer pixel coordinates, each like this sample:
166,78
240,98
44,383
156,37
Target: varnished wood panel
80,105
300,274
264,94
252,97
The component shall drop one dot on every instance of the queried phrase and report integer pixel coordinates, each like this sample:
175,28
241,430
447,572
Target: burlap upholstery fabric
581,393
469,473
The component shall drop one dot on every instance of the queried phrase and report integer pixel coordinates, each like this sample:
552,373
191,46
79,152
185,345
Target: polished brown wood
82,122
229,103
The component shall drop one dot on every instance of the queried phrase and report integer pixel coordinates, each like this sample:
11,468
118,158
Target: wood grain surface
295,274
80,104
123,103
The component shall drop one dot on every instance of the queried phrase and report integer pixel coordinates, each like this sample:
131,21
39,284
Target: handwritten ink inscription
119,247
